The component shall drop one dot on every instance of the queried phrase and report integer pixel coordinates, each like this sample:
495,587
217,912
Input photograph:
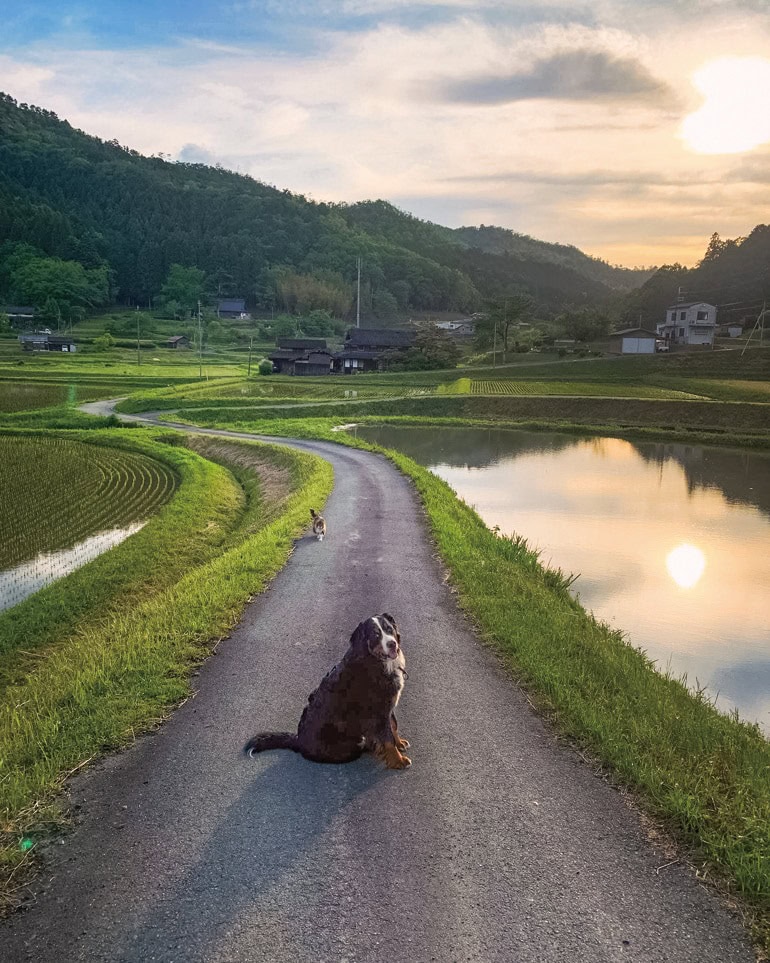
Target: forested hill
72,196
734,275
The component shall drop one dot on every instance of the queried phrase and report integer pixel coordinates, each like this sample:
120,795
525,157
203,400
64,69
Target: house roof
285,354
231,304
361,354
379,338
688,304
628,331
302,344
177,337
16,309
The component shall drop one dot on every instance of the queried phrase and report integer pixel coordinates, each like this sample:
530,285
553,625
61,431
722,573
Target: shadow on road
262,849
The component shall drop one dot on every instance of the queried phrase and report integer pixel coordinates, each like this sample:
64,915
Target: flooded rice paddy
671,541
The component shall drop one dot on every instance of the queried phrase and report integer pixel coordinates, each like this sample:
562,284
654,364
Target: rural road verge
497,845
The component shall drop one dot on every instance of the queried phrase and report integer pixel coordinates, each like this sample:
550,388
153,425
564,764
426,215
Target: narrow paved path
497,845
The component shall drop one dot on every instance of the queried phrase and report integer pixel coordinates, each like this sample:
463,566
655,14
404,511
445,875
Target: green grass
117,670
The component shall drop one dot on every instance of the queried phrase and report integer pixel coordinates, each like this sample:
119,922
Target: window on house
673,315
702,316
682,315
681,332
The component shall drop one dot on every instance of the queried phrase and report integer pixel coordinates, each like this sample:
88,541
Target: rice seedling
63,501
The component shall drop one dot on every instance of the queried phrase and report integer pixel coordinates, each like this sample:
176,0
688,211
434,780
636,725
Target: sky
631,129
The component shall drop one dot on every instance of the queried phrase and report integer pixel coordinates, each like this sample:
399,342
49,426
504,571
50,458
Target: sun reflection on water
685,565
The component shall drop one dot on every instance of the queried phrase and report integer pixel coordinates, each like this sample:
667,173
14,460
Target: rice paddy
57,492
29,396
582,389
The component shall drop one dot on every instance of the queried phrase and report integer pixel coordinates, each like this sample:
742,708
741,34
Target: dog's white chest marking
395,669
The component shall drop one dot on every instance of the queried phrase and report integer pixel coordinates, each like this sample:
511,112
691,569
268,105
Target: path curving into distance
497,845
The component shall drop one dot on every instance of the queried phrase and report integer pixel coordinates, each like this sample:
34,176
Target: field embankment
105,652
670,415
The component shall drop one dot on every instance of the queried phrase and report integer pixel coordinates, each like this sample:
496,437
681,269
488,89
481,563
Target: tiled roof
379,338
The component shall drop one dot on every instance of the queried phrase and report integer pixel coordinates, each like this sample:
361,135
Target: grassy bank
92,689
705,776
718,418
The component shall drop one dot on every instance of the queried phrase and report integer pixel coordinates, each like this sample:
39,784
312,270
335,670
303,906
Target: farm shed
633,341
178,341
301,356
20,315
42,341
231,308
316,363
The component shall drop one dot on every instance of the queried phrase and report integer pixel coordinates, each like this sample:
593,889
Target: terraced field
55,492
29,396
583,389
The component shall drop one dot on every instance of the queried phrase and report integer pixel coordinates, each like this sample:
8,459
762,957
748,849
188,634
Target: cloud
581,75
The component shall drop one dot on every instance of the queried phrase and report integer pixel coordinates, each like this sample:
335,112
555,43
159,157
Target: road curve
498,844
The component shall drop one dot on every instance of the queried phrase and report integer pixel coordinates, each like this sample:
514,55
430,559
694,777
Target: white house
691,323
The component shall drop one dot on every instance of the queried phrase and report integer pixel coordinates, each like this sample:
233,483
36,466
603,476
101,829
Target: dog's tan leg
395,759
400,743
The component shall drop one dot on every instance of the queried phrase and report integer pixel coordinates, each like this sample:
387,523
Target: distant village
371,349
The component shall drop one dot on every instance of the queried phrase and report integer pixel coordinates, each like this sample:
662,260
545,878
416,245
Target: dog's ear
392,622
360,637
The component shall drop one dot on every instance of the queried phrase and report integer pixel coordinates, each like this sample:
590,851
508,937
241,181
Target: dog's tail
271,740
313,513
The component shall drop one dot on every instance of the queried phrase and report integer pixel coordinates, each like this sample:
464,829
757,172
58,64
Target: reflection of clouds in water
746,685
612,511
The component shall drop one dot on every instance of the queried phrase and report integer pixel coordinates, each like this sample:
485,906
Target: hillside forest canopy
86,223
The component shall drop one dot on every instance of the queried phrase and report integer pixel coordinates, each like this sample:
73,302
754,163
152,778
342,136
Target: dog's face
379,636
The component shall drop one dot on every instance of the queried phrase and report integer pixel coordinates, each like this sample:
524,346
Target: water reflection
685,565
18,583
670,540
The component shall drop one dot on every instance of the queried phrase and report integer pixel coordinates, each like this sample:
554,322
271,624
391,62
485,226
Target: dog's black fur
351,711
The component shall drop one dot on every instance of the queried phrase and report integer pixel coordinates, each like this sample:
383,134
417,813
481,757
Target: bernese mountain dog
352,710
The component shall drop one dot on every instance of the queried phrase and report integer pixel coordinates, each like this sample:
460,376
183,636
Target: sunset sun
734,115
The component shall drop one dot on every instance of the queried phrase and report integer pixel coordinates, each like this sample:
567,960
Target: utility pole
760,323
200,344
251,345
138,353
505,329
358,294
494,347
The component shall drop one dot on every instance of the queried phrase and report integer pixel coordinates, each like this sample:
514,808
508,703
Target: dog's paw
395,760
403,763
402,743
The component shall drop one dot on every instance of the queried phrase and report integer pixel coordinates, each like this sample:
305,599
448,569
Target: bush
103,342
265,367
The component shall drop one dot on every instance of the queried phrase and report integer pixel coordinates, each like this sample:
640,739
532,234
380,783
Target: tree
56,286
501,316
183,289
5,323
432,348
103,342
265,367
585,324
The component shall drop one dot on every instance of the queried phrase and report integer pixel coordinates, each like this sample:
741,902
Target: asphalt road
497,845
